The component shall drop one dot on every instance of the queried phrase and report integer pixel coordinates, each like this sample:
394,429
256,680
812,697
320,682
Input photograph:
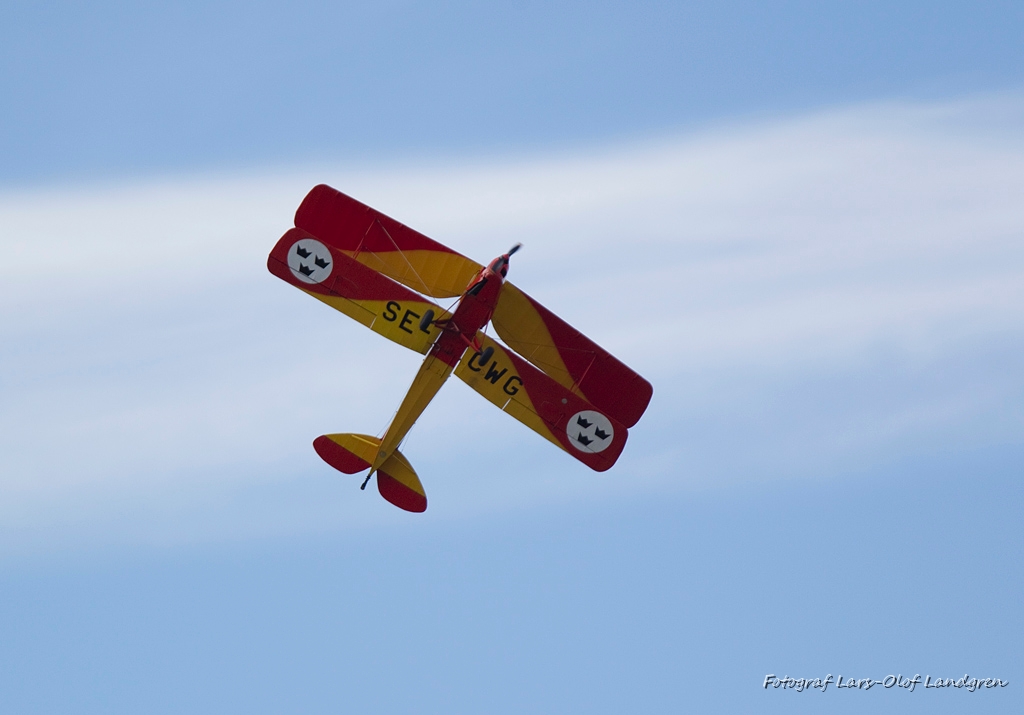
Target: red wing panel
570,357
577,426
374,300
383,244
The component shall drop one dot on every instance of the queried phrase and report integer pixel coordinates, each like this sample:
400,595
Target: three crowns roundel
310,261
590,431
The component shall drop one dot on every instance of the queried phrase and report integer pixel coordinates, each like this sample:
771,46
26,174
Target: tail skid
396,480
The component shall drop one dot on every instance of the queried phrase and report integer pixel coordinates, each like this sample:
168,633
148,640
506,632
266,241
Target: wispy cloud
804,293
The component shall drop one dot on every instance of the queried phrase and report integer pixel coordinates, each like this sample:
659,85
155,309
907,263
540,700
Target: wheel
426,320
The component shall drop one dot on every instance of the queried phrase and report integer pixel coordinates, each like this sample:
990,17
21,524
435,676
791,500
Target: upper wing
569,356
374,300
577,426
384,244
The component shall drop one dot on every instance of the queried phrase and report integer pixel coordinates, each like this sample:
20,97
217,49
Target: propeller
514,249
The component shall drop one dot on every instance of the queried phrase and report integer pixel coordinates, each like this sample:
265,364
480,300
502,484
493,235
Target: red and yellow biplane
547,374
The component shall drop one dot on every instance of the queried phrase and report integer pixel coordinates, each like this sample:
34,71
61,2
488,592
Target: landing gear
485,356
426,320
366,480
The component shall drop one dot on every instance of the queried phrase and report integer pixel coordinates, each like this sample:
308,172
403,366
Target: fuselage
473,312
458,333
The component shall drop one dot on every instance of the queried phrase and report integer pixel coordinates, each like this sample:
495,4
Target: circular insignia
310,260
590,431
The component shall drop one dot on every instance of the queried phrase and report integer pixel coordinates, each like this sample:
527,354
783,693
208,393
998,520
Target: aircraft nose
501,263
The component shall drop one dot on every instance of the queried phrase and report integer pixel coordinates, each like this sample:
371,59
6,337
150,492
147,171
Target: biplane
544,373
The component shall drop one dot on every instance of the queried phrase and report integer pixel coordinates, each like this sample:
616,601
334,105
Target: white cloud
802,293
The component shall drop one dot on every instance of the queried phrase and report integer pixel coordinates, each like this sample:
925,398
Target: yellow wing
540,403
376,301
572,359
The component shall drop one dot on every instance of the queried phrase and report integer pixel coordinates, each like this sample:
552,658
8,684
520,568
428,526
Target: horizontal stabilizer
348,453
396,480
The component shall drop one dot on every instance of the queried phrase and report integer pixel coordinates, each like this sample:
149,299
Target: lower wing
363,294
543,405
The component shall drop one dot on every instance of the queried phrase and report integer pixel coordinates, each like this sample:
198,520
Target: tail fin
396,480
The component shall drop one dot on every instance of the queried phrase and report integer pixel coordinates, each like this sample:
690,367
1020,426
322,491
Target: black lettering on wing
407,319
492,373
509,388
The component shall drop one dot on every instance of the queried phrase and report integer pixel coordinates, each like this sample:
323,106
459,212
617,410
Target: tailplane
396,480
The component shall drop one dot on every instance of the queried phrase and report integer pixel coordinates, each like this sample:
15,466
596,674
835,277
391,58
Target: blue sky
802,224
115,88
